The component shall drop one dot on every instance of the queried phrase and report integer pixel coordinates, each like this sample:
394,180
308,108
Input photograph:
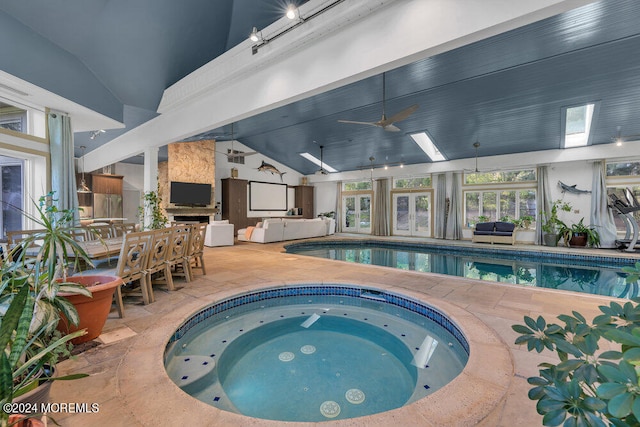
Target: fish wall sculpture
266,167
571,188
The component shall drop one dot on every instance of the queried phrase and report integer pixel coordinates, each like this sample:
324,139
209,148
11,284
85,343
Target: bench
494,232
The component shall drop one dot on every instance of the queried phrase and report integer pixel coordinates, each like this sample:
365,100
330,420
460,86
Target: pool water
595,275
314,358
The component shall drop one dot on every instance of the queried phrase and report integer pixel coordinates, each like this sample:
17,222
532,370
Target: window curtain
338,215
381,208
544,201
454,221
440,211
601,215
63,176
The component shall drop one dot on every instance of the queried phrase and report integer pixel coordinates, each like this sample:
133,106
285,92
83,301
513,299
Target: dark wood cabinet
106,184
234,203
304,200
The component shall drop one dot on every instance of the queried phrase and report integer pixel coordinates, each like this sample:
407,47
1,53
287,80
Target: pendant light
83,189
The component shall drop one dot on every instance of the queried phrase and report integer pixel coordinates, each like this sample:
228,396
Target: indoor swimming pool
600,275
315,353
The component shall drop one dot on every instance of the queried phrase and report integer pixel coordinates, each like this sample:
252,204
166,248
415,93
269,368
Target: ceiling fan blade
399,116
359,123
244,154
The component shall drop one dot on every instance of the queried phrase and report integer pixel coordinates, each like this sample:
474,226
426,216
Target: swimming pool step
187,370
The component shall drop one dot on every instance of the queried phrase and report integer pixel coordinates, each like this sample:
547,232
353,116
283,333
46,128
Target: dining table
103,248
95,249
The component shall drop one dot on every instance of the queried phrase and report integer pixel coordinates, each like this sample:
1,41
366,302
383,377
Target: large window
504,204
623,181
413,182
500,177
500,195
356,185
20,118
11,197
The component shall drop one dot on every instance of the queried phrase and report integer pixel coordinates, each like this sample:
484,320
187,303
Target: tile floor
127,381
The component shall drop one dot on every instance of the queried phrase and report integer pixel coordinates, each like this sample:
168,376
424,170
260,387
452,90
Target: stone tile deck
128,382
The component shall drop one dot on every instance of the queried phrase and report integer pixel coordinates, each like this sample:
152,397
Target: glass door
357,213
412,214
10,197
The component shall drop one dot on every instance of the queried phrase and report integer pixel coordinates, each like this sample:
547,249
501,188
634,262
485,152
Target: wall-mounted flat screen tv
190,194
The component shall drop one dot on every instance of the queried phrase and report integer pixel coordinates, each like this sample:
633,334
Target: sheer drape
440,208
544,203
454,220
63,177
601,215
381,208
338,214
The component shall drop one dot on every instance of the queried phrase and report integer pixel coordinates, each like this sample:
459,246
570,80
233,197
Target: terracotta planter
578,240
17,420
93,312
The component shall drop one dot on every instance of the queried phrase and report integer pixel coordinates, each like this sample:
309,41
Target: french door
356,215
412,214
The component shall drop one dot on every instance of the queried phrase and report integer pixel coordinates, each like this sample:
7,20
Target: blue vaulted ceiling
506,92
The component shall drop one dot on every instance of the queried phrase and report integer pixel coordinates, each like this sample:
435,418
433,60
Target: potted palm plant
32,283
31,309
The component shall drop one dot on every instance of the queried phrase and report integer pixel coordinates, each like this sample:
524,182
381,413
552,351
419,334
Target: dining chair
196,248
131,267
120,229
159,254
97,232
178,261
16,245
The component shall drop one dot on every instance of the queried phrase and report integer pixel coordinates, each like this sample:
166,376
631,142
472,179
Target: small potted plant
579,235
527,220
551,222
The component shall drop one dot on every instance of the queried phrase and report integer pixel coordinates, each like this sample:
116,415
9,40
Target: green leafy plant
330,214
588,231
152,202
527,220
550,220
588,387
31,279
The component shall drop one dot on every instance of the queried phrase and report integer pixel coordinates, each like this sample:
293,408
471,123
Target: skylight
317,161
430,149
578,125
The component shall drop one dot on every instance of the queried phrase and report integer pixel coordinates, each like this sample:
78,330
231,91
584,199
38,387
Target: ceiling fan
233,154
322,170
476,145
386,123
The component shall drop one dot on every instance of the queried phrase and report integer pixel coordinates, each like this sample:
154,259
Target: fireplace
191,218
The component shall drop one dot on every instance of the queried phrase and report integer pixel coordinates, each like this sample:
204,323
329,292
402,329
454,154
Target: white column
150,177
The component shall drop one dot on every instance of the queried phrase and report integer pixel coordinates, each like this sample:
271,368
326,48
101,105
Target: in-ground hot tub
315,352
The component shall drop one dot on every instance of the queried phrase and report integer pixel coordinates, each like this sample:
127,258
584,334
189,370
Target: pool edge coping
455,403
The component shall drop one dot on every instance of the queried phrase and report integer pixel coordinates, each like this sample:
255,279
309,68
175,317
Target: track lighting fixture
95,133
254,35
292,11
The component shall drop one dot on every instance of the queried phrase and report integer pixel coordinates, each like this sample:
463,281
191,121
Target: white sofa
219,233
279,229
